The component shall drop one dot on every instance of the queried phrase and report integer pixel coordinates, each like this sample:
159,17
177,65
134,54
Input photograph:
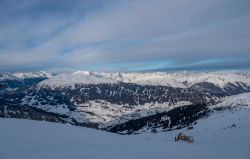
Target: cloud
232,66
82,34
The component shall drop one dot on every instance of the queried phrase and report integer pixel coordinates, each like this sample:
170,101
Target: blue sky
118,35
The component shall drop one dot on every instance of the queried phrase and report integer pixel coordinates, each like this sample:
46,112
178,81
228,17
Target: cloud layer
132,35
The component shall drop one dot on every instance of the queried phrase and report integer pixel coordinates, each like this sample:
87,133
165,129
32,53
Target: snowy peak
14,81
7,76
41,74
187,79
24,75
81,73
176,80
79,77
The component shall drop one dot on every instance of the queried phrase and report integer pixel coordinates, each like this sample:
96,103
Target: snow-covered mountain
236,101
7,76
176,80
184,116
102,100
23,75
14,81
105,104
79,77
40,74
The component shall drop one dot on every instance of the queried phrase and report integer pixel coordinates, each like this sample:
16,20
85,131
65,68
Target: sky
124,35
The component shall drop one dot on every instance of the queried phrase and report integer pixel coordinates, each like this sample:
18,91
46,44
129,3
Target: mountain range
124,103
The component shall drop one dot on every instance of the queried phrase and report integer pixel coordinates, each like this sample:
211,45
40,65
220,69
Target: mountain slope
183,116
23,139
103,104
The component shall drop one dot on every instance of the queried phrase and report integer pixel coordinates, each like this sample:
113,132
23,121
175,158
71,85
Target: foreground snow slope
23,139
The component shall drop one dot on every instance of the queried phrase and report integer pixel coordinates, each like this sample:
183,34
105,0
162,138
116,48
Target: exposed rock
183,137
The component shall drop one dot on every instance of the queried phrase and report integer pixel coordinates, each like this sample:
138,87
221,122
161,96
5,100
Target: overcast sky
124,35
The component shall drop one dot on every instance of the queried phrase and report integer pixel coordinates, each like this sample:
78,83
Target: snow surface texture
177,79
223,135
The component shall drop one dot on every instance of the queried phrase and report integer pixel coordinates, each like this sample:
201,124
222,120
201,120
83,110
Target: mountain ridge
176,80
